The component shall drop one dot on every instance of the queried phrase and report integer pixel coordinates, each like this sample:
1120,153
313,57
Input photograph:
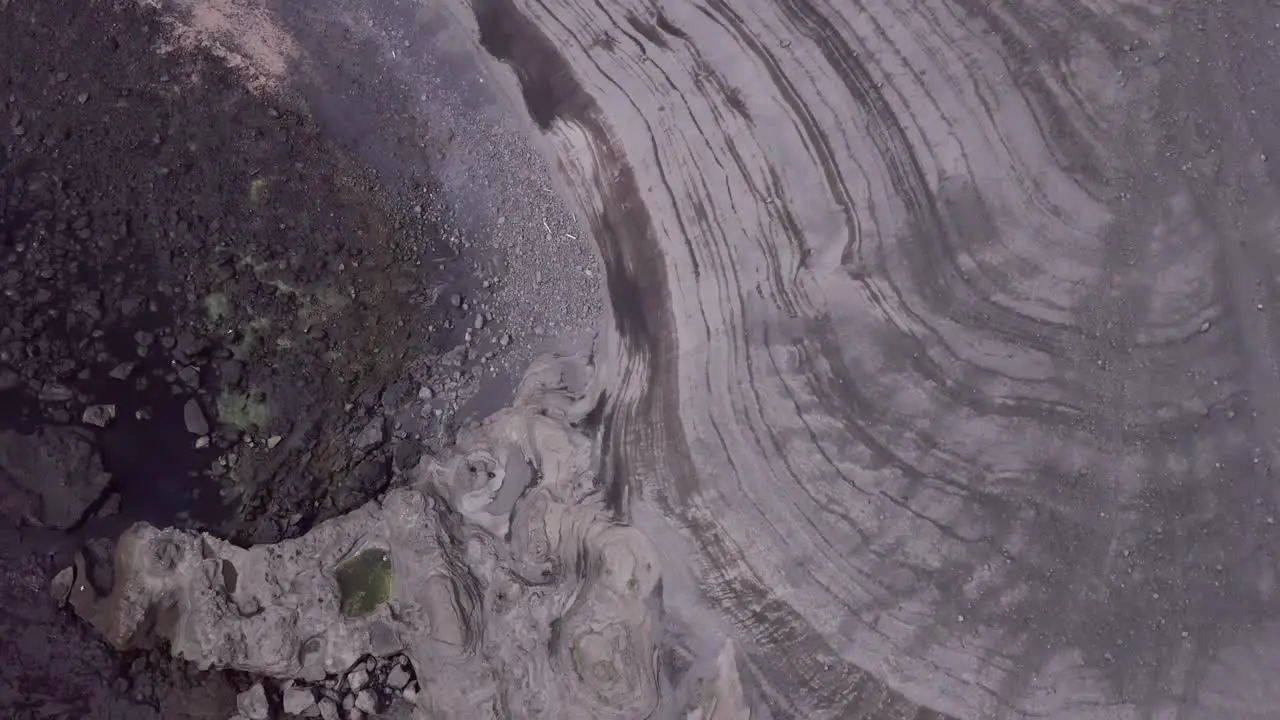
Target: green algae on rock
364,582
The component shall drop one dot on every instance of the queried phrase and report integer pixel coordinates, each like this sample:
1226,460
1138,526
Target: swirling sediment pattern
944,338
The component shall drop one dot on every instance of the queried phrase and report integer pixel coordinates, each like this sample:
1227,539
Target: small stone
478,323
1204,326
189,376
144,339
505,340
194,418
99,415
273,441
348,702
298,700
398,678
202,442
130,306
60,586
357,679
371,436
122,371
53,392
411,694
367,701
328,710
426,393
252,703
455,300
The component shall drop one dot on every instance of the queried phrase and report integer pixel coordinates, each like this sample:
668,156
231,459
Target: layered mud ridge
945,361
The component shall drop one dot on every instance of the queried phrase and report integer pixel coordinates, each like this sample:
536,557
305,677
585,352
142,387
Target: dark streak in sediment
649,32
549,87
665,25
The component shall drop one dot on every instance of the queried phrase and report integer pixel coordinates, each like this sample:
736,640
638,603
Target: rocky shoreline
212,318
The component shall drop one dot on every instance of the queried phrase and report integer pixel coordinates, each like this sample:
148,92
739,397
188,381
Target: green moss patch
247,411
364,582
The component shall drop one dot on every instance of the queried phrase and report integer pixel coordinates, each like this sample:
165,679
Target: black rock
194,418
123,370
52,392
189,376
60,466
190,344
232,372
130,306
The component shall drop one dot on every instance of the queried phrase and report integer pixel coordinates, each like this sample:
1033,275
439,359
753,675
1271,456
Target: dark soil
202,286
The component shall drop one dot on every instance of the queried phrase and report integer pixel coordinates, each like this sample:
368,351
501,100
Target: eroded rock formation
500,573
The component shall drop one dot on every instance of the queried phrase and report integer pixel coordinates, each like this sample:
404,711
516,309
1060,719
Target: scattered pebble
252,703
357,679
297,701
398,678
99,415
371,436
194,418
60,586
328,710
122,371
52,392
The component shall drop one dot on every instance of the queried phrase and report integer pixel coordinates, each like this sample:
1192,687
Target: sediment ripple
944,363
